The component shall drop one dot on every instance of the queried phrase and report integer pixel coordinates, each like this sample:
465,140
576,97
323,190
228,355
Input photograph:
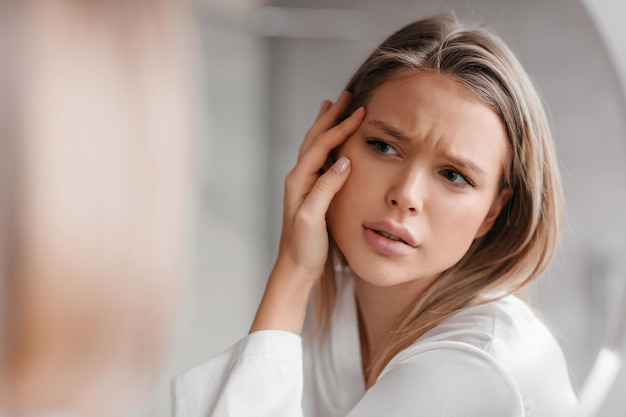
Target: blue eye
382,147
455,177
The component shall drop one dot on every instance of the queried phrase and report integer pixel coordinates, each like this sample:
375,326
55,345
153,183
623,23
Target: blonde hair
523,238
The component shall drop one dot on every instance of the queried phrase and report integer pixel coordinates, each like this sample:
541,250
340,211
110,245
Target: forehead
431,94
431,108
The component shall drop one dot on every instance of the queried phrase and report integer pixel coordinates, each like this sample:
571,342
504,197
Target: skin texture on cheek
404,182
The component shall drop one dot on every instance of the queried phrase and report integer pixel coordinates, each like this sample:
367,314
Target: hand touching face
426,168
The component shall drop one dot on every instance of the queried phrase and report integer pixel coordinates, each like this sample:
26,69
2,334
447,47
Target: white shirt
495,360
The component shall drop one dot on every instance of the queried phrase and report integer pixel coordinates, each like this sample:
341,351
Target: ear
494,211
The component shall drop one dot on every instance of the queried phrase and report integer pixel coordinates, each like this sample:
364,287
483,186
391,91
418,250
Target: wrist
284,303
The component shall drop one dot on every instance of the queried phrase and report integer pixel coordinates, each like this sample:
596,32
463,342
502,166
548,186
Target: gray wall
264,74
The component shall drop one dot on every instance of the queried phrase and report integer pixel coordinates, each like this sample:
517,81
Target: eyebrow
463,163
454,159
391,131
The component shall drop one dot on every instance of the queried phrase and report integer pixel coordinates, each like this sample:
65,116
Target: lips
388,236
392,231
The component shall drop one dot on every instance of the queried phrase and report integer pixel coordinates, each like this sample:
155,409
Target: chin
380,275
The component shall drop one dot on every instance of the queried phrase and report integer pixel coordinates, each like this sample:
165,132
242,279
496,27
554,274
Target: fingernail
360,109
341,165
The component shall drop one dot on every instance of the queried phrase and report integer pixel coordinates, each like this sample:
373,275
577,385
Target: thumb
325,188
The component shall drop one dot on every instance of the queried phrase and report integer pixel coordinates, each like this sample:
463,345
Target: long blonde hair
523,238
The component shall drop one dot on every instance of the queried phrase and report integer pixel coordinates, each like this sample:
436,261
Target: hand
304,240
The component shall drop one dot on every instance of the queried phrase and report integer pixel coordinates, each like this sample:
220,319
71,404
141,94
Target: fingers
303,176
317,202
329,115
326,104
332,114
317,153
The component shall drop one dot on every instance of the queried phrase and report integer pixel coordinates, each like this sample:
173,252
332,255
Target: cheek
341,204
451,235
353,198
355,185
461,222
357,194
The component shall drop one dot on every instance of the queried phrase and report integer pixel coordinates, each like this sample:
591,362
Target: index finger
327,118
313,159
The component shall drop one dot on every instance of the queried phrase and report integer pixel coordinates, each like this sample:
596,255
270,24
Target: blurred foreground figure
95,171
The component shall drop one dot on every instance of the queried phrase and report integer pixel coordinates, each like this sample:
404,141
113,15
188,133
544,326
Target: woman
422,200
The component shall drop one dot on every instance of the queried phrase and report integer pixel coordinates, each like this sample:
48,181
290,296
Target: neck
380,311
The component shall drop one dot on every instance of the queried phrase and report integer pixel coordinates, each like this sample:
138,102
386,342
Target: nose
407,192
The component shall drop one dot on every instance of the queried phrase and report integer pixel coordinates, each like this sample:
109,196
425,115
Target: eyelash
376,143
454,171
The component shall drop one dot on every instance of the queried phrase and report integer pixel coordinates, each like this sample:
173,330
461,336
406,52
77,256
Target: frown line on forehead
390,130
456,160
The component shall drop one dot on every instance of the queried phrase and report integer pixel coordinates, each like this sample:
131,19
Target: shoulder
500,346
506,329
487,324
449,378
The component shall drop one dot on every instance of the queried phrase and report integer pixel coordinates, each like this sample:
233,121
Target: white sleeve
454,380
260,376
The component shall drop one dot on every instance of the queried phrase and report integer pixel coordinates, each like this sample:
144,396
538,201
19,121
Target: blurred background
266,66
255,72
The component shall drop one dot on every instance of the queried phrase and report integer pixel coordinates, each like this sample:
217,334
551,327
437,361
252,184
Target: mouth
389,236
389,239
392,231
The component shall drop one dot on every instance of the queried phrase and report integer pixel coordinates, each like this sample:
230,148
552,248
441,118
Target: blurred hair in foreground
95,124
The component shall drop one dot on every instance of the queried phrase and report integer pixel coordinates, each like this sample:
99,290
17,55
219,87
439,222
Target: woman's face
426,167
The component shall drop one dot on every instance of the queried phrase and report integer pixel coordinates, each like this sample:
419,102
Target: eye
455,177
381,146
